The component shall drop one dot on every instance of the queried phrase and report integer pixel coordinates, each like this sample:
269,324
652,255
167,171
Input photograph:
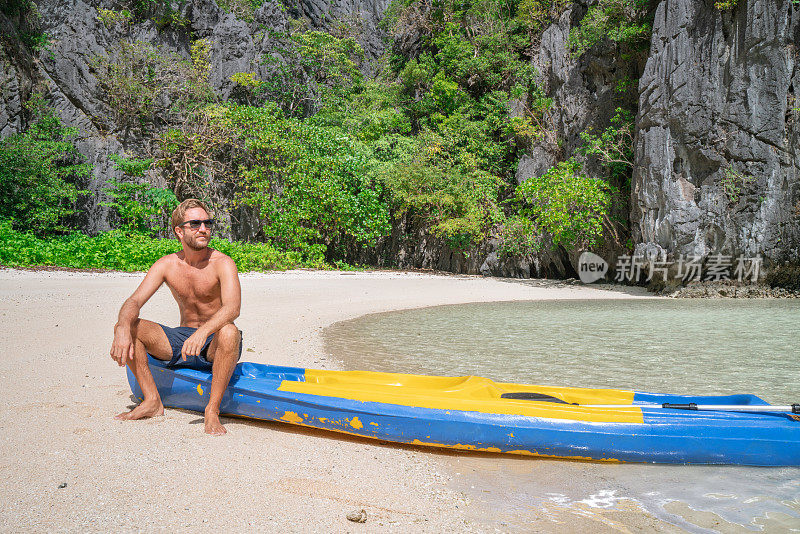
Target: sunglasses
195,223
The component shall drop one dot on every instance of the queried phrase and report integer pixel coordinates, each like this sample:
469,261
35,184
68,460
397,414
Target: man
205,284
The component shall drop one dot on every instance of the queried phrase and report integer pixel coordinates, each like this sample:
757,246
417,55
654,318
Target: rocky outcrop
585,93
717,162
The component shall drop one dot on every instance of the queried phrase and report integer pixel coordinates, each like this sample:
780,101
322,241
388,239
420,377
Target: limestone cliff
718,110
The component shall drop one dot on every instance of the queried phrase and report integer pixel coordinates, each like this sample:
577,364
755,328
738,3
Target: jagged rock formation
718,106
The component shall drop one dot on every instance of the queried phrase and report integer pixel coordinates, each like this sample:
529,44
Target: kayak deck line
469,413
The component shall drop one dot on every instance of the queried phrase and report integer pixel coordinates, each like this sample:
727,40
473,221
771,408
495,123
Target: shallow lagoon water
702,347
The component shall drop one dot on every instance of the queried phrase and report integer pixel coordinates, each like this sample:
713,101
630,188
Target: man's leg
223,353
148,337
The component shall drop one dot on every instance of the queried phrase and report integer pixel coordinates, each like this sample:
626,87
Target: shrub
141,206
732,183
621,21
567,204
144,85
38,169
126,252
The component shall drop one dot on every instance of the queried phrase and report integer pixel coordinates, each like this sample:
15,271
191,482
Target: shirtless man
205,284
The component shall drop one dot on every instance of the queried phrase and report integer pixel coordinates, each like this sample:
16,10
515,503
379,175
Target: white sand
61,390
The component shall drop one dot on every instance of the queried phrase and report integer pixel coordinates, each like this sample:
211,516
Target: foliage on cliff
39,170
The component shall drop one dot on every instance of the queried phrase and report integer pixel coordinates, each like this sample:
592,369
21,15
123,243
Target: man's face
195,239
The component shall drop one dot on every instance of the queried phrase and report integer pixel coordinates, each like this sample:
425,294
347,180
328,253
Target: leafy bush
460,207
570,206
733,181
311,184
311,67
518,236
38,169
126,252
725,4
613,146
141,206
621,21
110,17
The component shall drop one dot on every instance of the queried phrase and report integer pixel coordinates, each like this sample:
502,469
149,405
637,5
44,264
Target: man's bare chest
194,285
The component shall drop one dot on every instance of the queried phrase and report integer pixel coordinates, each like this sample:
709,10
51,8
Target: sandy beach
67,465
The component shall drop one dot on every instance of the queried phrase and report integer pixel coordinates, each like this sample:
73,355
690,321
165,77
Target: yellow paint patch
469,393
373,423
355,423
199,390
291,417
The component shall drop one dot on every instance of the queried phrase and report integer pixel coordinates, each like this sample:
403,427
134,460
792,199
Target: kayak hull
468,413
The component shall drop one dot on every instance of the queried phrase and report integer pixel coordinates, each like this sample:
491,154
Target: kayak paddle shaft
793,408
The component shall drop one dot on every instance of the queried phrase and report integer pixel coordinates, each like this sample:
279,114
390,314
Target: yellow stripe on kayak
470,393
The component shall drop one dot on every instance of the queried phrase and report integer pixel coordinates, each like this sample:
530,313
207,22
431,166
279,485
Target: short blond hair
180,212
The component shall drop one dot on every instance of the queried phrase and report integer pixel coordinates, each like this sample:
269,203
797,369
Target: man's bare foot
213,424
144,410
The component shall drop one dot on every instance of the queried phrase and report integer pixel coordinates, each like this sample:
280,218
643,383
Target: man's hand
193,345
122,347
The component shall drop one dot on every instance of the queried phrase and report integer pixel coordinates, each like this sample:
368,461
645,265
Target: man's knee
228,335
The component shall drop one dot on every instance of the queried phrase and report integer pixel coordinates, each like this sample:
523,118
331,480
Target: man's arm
122,347
231,296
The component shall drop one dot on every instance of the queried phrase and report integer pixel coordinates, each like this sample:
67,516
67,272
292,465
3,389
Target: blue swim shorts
177,336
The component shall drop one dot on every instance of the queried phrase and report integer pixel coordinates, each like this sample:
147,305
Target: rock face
718,110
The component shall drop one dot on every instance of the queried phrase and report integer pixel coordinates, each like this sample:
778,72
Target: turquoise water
699,347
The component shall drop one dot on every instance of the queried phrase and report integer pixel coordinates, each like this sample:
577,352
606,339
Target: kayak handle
689,406
527,395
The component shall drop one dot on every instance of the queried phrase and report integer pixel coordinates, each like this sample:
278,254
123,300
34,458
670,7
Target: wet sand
67,465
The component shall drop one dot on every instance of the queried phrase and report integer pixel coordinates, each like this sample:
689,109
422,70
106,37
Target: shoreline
63,390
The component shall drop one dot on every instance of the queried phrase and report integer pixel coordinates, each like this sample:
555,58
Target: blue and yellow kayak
469,413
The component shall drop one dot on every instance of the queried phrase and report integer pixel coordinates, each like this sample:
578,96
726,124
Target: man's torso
196,288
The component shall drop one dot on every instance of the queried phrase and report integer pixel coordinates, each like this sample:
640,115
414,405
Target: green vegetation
725,4
331,160
126,252
243,9
140,206
613,146
313,67
110,17
38,173
569,205
311,186
621,21
145,85
732,183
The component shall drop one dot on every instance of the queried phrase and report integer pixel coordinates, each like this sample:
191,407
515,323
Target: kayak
476,414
